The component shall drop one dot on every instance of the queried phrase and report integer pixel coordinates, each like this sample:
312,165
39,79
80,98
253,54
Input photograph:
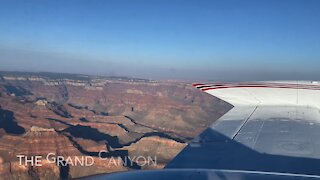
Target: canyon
79,115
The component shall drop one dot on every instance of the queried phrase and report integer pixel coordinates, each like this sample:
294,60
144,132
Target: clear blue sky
188,39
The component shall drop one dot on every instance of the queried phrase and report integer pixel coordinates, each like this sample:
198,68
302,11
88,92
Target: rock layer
76,116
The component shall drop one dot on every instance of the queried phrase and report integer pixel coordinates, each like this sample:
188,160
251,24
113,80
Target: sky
163,39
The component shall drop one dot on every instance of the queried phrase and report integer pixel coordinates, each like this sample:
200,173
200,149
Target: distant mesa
40,129
134,91
41,102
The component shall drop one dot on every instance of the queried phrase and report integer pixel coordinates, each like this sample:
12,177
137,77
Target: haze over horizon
163,39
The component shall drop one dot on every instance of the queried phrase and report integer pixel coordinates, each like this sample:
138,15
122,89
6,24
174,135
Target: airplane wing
273,127
272,132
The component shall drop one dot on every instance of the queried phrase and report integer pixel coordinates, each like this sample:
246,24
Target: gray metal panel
273,139
230,123
286,134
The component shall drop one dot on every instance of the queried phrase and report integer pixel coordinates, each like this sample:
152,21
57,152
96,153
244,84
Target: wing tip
197,84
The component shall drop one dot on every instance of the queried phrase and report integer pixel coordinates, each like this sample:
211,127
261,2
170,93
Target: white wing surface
273,127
